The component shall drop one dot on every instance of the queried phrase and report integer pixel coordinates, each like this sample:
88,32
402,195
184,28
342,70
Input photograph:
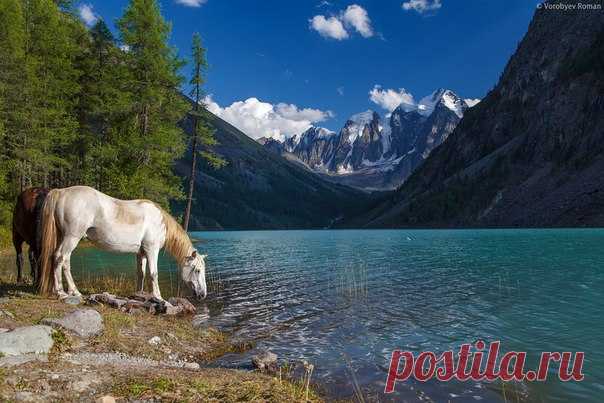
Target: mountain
531,153
372,153
258,189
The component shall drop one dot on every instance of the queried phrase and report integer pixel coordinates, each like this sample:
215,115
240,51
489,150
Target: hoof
75,293
62,295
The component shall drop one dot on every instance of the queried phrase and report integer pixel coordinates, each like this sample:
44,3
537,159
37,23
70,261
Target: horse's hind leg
18,243
63,264
141,267
152,262
33,264
69,244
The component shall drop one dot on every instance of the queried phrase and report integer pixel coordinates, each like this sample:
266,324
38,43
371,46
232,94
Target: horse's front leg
152,262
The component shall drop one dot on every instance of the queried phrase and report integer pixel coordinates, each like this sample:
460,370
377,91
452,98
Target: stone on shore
83,323
26,340
73,300
107,299
265,361
187,307
155,340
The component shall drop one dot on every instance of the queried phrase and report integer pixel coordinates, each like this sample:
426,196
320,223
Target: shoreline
136,356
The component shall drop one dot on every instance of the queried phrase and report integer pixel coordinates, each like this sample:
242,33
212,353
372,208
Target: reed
352,282
120,284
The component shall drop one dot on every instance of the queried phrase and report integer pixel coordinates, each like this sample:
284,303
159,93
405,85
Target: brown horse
27,228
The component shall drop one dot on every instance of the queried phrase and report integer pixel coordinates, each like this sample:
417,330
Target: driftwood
142,301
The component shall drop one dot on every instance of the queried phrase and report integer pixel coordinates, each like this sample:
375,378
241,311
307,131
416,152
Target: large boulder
26,340
83,323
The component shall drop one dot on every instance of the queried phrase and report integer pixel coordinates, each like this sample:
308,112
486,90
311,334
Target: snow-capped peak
315,132
357,123
324,133
363,118
447,97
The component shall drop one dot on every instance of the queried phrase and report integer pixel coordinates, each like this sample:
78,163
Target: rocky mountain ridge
372,152
531,153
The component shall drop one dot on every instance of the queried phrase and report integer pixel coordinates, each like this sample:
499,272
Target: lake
343,300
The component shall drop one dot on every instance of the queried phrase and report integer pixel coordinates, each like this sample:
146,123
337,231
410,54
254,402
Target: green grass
5,239
214,385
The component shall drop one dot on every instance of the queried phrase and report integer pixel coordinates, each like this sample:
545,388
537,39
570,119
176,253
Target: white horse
135,226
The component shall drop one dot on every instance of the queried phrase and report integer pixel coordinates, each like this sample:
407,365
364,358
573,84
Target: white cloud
357,17
292,112
87,14
340,90
422,6
471,102
262,119
354,17
390,99
191,3
125,48
329,27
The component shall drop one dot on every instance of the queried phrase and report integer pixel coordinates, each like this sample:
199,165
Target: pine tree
152,135
4,187
103,99
51,90
201,131
13,76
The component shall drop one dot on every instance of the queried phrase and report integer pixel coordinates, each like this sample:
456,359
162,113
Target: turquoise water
344,300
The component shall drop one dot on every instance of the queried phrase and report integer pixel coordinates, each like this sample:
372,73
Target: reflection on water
345,299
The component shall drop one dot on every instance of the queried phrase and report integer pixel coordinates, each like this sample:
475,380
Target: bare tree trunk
187,216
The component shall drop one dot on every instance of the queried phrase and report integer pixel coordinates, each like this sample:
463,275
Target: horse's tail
37,241
48,243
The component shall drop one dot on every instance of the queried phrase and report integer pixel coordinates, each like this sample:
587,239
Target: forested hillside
80,106
258,189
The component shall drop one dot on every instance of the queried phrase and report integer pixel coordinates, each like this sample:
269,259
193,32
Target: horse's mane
177,242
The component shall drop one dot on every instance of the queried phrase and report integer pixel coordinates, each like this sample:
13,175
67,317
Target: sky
277,67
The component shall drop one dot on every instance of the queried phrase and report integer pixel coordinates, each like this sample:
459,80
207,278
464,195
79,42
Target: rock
26,340
106,399
265,361
73,300
141,296
25,396
173,310
191,366
80,386
15,360
187,306
133,305
83,323
200,321
154,341
107,299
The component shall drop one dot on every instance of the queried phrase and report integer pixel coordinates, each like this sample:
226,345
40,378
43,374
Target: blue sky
311,61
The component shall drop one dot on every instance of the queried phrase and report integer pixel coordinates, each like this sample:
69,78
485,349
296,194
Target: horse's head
193,273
